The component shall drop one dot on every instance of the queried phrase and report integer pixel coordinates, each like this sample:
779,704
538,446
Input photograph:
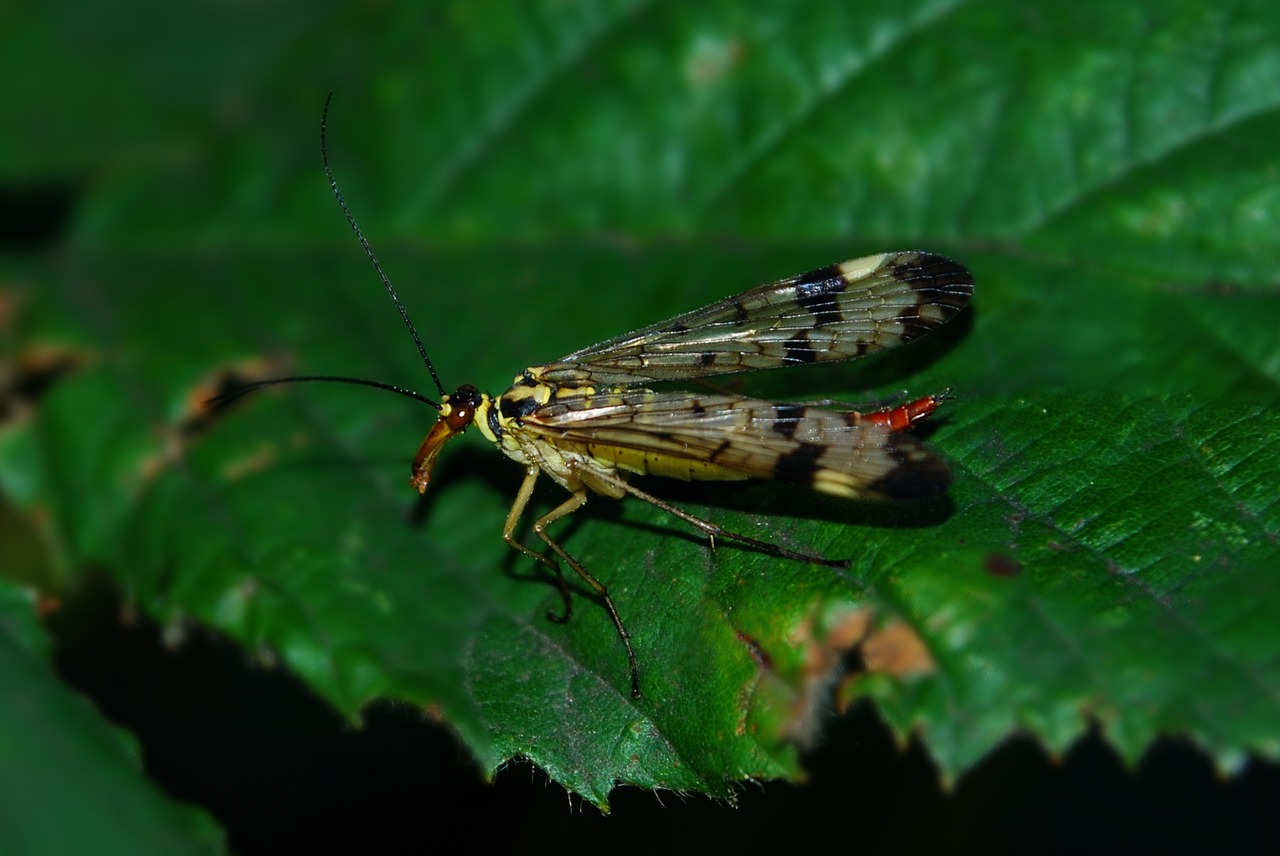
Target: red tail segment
905,416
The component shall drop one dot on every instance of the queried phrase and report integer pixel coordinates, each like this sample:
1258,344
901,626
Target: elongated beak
440,434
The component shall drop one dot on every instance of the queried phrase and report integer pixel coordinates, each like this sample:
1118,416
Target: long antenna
228,397
395,298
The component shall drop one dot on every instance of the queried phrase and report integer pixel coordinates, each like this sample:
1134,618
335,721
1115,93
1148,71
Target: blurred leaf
51,739
586,168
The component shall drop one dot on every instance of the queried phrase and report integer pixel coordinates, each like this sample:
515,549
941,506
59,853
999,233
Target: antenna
228,397
395,298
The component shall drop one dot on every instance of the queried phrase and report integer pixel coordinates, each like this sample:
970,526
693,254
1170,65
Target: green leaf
69,782
540,176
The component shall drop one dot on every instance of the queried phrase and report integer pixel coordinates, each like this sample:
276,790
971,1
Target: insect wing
833,313
692,436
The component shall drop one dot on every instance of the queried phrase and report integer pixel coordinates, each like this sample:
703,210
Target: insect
588,421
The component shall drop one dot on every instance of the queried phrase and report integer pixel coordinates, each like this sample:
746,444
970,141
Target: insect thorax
502,421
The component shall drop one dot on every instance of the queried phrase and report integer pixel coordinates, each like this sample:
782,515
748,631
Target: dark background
282,772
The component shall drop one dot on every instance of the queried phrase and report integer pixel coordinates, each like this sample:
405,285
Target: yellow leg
570,505
508,535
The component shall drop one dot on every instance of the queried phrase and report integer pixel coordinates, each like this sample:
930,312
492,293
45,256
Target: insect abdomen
657,464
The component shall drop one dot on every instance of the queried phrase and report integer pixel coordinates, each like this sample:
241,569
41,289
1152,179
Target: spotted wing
832,313
717,437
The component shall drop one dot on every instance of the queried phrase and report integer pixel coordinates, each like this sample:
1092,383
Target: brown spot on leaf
201,409
824,660
27,378
1001,565
200,412
761,656
845,634
852,647
254,462
27,373
896,650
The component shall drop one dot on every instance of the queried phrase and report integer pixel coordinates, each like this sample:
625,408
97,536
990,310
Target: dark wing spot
675,328
937,282
818,292
938,279
822,276
798,465
787,419
913,326
741,315
800,350
698,409
707,358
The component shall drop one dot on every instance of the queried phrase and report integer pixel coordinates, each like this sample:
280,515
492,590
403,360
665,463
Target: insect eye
460,417
462,407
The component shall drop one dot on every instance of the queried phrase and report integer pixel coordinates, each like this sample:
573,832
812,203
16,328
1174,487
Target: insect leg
508,535
714,530
566,508
569,506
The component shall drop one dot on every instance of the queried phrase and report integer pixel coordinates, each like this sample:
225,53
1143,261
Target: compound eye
462,407
460,417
